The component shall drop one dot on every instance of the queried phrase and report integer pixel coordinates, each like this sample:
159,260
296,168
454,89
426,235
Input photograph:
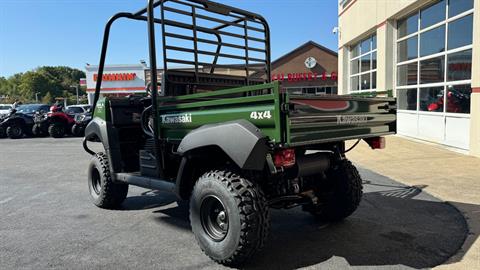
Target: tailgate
329,118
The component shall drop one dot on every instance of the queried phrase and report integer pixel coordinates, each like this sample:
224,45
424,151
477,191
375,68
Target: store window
459,6
432,70
407,49
434,58
432,41
431,99
363,65
460,32
407,99
460,66
458,98
432,14
407,74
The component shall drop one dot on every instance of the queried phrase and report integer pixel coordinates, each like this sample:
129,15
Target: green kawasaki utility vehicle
218,133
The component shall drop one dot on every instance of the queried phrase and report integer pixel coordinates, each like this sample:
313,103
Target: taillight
284,158
376,143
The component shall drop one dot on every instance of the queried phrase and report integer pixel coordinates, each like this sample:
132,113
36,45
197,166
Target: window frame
372,50
445,83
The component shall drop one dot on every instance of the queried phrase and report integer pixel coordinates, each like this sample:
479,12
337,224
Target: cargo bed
327,118
287,120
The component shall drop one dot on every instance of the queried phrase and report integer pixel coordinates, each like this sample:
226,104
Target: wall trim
382,24
347,7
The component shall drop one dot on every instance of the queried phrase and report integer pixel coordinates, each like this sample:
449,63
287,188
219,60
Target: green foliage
47,99
48,82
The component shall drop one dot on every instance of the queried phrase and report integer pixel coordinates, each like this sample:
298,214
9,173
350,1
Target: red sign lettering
306,76
116,77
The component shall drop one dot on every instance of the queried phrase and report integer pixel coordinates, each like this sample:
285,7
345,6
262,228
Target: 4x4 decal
261,115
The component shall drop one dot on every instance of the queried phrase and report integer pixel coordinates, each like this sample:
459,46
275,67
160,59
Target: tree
55,81
34,82
47,99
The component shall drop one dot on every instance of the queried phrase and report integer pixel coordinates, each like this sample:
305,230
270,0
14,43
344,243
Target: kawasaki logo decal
177,118
351,119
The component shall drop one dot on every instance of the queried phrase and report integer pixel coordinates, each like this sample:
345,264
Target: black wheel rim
214,218
96,181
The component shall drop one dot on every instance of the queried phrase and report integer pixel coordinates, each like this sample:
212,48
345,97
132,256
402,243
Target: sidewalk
447,175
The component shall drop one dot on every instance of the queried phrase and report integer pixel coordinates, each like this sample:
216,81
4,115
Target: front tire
56,130
39,130
104,192
229,217
340,196
78,131
15,132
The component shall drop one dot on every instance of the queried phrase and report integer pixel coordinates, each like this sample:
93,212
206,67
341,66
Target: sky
36,33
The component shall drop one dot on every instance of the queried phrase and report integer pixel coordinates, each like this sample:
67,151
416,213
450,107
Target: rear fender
242,141
239,141
58,119
13,121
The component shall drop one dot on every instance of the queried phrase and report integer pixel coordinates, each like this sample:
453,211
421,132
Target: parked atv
20,121
56,123
40,127
81,122
3,132
457,102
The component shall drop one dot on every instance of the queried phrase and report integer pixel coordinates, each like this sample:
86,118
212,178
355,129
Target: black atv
21,120
40,126
81,122
3,132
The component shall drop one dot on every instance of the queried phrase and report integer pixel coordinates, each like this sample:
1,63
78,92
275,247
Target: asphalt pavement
48,222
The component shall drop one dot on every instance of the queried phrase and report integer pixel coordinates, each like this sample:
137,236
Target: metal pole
76,88
154,83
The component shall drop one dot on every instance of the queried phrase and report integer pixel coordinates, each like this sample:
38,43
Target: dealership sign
116,77
306,76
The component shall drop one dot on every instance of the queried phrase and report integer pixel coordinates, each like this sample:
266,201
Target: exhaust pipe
312,164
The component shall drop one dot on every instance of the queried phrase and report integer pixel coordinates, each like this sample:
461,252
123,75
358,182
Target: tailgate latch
285,107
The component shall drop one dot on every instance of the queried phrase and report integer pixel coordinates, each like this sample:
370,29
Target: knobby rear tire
247,211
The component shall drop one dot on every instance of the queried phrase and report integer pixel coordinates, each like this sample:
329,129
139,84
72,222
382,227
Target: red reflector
284,158
376,143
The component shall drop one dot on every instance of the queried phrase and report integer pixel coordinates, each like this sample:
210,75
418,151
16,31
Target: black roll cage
198,78
217,31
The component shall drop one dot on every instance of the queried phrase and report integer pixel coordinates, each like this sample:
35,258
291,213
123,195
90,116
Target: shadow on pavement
394,225
385,230
148,200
